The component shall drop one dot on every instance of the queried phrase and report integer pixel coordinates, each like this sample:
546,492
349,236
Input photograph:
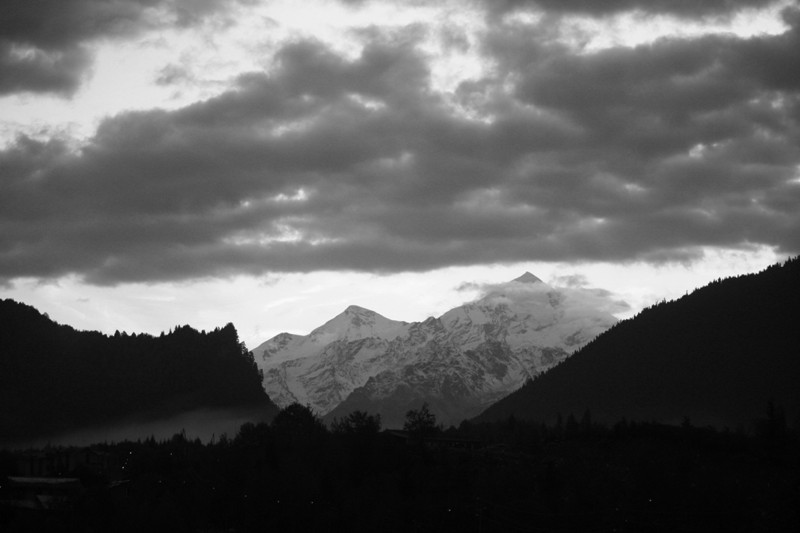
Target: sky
268,163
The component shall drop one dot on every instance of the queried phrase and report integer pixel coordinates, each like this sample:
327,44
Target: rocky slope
459,362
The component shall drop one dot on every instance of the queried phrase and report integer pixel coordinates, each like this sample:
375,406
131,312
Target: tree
420,422
357,423
297,425
773,427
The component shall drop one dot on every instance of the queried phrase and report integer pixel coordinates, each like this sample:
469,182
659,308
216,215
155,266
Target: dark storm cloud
40,71
44,43
325,162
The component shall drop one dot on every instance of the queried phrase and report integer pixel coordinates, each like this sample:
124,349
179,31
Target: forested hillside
717,356
54,378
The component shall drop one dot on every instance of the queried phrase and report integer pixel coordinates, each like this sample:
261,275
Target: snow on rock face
353,323
460,362
357,323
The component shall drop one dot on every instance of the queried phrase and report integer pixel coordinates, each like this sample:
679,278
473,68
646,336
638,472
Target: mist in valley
204,424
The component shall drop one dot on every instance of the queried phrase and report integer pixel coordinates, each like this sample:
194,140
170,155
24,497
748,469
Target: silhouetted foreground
54,378
295,475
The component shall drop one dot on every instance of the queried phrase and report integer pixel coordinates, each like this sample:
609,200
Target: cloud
334,162
173,74
44,44
571,280
689,9
572,299
678,8
39,71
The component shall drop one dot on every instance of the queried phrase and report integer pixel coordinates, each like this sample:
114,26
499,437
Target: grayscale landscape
372,265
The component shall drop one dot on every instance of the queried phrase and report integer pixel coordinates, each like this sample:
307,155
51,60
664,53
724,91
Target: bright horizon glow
260,308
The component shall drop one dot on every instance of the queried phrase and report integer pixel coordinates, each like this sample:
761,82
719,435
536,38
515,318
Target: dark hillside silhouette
54,378
717,356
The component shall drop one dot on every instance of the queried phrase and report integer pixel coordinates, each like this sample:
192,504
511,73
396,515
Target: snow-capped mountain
459,363
352,324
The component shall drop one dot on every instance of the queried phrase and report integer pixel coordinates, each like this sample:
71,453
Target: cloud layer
45,44
332,161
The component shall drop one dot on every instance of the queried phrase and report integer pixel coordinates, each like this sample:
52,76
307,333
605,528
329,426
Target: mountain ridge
470,355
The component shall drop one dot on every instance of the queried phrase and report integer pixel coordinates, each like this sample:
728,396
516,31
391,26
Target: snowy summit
527,277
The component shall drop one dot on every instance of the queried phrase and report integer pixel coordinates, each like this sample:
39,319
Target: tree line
54,378
296,474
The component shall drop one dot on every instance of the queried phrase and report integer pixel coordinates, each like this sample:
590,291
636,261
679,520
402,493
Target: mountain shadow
55,379
718,356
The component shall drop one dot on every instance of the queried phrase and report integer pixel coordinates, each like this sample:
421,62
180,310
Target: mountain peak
353,323
527,277
358,310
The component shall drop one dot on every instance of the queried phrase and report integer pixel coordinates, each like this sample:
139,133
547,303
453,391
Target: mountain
55,379
352,324
718,356
527,277
459,362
